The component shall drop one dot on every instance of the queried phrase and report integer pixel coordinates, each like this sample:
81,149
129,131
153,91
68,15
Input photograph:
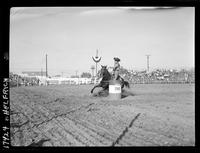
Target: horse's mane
106,75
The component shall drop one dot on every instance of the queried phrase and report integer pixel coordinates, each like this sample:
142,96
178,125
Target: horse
106,77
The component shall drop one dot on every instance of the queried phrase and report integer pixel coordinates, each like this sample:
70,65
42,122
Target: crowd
17,80
159,76
135,77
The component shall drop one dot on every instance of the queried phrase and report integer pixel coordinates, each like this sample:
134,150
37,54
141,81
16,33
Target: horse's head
103,70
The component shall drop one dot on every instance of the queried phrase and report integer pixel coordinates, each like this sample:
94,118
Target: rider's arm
116,67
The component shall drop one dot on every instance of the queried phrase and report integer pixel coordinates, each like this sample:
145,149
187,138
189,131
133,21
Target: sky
70,37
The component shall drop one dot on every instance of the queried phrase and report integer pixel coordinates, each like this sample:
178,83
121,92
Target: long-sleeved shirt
116,67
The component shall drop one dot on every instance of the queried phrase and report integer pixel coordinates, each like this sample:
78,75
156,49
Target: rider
116,67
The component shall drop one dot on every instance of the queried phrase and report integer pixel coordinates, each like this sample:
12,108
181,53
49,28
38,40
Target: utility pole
148,62
92,68
41,72
96,59
46,66
17,80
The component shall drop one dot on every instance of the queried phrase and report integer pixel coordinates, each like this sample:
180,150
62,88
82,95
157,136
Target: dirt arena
68,115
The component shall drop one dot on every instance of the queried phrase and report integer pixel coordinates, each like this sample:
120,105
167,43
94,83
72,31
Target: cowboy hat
116,59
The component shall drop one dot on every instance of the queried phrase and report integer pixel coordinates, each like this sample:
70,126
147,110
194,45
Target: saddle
119,78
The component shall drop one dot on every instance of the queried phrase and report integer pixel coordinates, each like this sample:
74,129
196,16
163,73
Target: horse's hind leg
95,87
122,85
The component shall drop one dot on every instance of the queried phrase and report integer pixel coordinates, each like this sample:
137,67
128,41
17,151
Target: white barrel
114,90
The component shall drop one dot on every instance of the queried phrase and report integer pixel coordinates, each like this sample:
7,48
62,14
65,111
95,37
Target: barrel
114,90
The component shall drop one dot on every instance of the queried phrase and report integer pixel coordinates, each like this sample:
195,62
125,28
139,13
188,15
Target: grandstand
135,77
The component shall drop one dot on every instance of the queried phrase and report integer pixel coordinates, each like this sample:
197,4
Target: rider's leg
116,75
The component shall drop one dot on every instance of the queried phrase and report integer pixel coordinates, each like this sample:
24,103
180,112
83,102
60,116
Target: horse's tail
126,84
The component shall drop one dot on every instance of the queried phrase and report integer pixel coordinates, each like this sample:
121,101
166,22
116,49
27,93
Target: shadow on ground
105,93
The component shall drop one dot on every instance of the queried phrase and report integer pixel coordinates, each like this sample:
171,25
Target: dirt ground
68,115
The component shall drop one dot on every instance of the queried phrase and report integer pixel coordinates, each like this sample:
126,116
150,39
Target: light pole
92,68
46,66
97,59
148,62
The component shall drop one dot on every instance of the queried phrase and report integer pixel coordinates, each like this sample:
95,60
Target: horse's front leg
99,85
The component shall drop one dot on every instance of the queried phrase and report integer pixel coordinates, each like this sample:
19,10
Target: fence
156,77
